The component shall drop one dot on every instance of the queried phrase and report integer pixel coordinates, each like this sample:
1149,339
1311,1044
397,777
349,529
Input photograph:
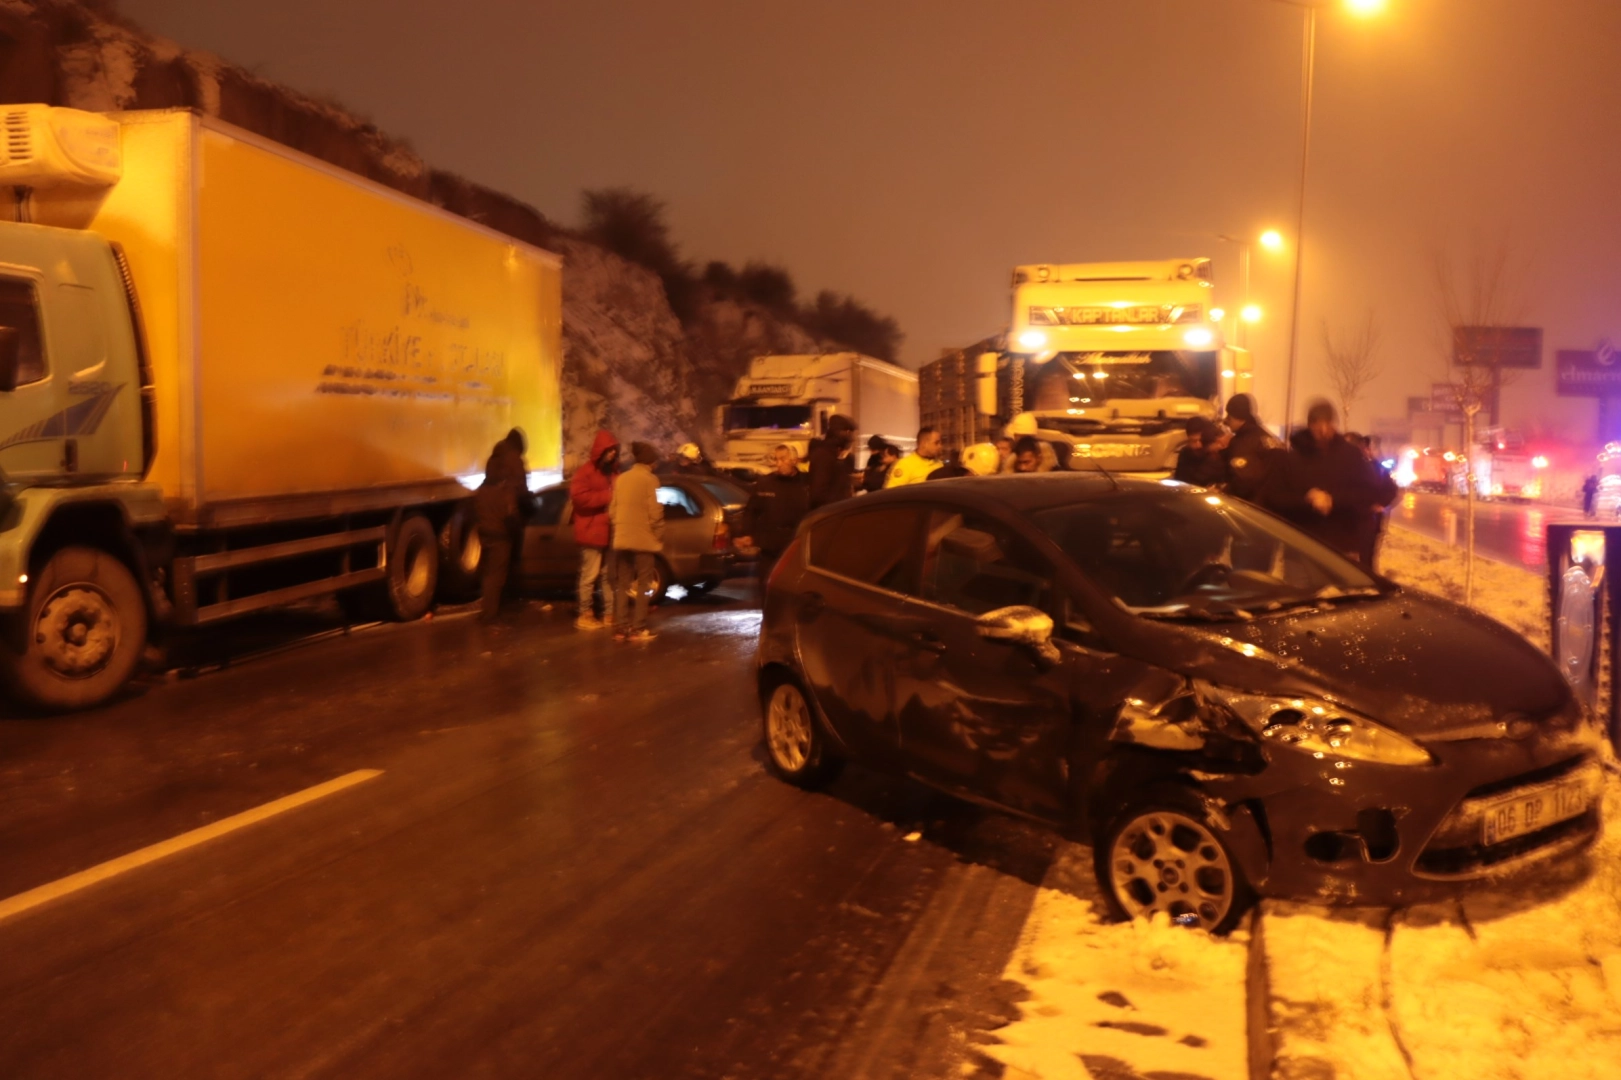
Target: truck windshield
768,417
1165,375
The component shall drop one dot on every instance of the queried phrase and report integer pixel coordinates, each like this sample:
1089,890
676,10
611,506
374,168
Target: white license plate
1526,812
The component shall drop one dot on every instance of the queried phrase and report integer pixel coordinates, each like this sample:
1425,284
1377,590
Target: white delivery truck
788,399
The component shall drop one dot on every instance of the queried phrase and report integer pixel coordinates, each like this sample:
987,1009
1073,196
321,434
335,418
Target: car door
849,636
550,554
990,718
689,529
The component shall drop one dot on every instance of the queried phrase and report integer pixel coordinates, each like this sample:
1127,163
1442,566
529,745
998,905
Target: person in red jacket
591,489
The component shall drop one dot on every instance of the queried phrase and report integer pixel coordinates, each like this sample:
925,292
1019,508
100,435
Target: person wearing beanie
1200,462
1250,451
1326,486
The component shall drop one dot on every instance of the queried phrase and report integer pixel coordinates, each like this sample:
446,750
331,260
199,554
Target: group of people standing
1325,483
618,525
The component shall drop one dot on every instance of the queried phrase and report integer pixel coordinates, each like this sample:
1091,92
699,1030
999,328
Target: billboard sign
1444,399
1580,373
1497,346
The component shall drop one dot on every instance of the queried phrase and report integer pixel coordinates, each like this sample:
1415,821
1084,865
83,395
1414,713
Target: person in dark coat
1373,529
1201,462
952,467
1326,486
500,506
772,515
832,466
878,465
1251,450
1589,494
591,489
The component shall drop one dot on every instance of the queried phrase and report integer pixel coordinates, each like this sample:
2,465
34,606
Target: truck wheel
459,553
84,632
413,569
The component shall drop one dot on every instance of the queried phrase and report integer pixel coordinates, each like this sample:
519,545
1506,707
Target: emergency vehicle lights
1539,462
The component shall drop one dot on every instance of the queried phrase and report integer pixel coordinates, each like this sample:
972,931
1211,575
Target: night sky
912,153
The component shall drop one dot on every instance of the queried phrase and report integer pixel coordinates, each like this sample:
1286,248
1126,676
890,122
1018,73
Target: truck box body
232,378
788,400
312,333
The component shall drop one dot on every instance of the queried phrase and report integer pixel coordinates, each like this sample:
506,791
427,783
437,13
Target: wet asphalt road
572,865
1508,532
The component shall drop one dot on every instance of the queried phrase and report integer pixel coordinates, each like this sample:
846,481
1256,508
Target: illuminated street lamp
1310,7
1269,240
1251,313
1272,240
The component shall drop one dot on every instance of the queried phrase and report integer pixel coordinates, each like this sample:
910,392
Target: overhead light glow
1365,7
1217,314
1251,313
1272,240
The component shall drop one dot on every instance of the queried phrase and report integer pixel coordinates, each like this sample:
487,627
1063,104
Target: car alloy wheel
788,728
1166,861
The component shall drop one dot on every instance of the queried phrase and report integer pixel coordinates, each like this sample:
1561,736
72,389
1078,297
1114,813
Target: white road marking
163,849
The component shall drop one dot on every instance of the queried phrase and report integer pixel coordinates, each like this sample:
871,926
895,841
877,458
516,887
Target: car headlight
1323,729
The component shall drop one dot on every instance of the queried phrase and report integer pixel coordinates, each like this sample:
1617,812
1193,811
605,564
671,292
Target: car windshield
768,418
1181,554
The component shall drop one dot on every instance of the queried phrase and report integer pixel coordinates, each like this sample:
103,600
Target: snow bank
1513,596
1120,999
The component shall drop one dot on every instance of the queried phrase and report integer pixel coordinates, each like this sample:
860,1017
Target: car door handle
926,640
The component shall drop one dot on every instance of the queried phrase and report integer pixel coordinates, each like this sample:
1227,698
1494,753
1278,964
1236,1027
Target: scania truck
788,400
234,377
1108,360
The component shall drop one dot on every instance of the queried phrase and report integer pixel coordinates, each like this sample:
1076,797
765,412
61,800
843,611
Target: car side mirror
1021,625
10,358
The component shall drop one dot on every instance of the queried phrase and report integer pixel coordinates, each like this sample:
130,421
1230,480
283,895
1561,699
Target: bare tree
1487,293
1351,363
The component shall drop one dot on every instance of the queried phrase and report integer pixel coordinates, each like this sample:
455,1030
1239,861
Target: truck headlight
1323,729
1199,337
1032,339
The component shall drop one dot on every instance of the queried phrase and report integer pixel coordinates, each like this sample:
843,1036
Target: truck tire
413,569
459,553
83,633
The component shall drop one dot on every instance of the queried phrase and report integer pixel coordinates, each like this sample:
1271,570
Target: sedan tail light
723,536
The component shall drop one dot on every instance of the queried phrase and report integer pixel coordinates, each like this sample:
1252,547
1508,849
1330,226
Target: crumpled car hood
1418,663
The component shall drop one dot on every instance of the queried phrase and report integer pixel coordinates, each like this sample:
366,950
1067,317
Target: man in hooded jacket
591,489
500,506
831,465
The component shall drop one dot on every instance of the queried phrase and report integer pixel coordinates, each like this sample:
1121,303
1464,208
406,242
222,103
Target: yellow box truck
234,377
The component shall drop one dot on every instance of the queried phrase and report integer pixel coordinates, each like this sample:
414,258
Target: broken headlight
1322,729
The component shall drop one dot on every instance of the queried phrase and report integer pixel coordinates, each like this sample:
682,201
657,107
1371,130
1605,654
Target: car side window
549,507
975,564
875,547
19,311
677,503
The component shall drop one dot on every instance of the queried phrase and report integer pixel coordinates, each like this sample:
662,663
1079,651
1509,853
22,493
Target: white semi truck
1112,359
788,399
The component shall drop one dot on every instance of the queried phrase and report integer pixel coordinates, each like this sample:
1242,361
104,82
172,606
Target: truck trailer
234,377
788,400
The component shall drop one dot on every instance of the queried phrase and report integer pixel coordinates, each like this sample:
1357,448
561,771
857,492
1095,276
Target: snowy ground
1519,985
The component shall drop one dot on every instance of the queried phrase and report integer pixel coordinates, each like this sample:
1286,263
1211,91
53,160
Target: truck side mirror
10,357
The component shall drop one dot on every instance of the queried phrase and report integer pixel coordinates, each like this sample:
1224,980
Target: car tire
796,746
84,632
1163,855
413,569
662,580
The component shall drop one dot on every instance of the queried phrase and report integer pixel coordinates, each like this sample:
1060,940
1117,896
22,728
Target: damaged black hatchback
1221,706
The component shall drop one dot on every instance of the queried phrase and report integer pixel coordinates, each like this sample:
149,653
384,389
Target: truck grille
19,141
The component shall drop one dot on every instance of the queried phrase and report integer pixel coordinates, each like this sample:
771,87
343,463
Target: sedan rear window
875,547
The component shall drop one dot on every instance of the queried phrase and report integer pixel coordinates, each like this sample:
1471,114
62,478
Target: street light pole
1244,274
1309,77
